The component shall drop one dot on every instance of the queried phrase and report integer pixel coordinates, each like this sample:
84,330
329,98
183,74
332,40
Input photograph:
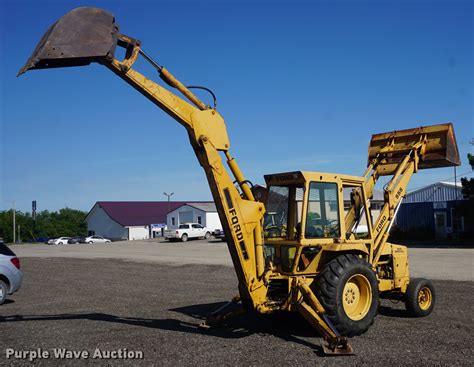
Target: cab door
198,230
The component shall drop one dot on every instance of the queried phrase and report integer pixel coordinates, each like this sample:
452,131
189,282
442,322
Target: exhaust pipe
82,36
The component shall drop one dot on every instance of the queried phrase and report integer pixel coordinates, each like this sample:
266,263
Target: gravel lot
83,304
432,263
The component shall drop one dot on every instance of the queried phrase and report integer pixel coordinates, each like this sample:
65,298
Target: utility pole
169,196
14,224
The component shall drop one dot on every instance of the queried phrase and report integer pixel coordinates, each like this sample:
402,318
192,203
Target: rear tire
184,237
3,292
348,290
420,297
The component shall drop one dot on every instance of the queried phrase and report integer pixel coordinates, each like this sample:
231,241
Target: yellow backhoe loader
307,255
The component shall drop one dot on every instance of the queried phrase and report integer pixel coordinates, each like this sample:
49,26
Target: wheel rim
425,297
357,297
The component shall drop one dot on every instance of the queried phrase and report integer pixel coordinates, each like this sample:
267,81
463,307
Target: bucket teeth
82,36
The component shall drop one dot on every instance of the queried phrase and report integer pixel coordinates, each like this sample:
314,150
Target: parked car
76,239
59,241
10,273
96,239
186,231
219,234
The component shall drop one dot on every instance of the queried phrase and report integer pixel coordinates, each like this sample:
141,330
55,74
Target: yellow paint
357,297
425,298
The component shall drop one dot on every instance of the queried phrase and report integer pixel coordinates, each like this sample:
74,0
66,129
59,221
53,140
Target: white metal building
101,224
202,213
128,220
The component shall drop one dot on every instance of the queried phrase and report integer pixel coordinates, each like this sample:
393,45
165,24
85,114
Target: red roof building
130,220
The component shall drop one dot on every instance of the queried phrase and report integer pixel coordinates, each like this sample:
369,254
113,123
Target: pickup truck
219,234
186,231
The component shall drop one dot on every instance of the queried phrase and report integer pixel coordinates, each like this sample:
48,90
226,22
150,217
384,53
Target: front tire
348,290
3,292
91,242
420,297
207,235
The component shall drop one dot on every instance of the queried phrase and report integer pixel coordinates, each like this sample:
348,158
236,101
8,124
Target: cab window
283,212
322,217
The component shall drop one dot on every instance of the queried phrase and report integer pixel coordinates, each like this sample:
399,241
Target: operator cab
305,214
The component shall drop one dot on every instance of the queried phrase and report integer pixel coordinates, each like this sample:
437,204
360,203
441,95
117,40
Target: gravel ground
82,304
431,263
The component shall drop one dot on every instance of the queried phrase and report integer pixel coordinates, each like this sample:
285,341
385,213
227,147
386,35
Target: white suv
10,273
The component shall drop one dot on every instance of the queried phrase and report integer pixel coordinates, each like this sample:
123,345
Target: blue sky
302,86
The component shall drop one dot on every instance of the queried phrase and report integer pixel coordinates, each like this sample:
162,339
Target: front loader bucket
440,147
78,38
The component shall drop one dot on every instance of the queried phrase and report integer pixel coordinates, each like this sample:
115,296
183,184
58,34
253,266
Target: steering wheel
333,227
274,231
314,231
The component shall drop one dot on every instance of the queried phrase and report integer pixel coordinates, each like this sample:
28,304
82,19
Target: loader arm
94,39
400,155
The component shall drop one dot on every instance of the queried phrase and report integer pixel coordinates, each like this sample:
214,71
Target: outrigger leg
223,314
312,310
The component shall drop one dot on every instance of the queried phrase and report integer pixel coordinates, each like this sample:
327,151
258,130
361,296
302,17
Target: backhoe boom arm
86,35
240,214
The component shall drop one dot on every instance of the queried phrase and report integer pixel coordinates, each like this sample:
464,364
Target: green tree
470,157
65,222
466,208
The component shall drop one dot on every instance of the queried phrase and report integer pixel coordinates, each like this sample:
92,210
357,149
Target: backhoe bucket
439,147
82,36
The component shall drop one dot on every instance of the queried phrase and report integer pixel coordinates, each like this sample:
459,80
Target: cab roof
300,177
